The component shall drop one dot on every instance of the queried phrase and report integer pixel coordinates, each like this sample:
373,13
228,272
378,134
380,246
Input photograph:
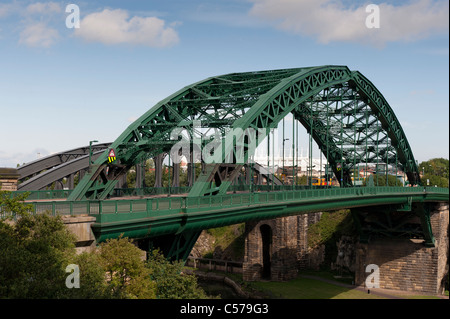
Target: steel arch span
344,113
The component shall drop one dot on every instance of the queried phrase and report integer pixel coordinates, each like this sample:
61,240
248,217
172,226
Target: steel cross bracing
344,113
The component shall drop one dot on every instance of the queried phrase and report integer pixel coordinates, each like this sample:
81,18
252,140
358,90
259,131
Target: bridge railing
43,194
161,205
149,191
227,266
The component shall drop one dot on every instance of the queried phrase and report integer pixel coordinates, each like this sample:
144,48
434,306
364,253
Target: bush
171,282
35,251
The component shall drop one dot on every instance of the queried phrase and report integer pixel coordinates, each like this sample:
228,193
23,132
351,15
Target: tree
380,180
92,278
171,282
35,251
436,171
13,206
126,274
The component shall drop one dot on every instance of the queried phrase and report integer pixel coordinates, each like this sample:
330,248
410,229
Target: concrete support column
140,171
70,182
176,175
158,160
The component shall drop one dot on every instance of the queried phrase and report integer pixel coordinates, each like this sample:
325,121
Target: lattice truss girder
348,123
217,102
346,115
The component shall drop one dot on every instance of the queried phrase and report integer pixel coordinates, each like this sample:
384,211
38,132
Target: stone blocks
406,264
276,248
8,179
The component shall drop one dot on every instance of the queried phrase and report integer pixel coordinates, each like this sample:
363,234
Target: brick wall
8,179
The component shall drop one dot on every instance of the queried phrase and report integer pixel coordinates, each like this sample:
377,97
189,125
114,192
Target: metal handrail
95,207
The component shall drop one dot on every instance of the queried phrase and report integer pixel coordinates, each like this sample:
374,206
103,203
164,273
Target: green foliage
14,206
331,227
171,282
167,174
380,180
436,166
126,274
436,171
310,288
302,180
35,251
92,278
229,241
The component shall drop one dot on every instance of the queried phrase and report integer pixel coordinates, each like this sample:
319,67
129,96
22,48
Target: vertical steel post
273,157
310,146
296,163
328,129
293,151
367,125
282,172
268,158
355,104
387,156
342,144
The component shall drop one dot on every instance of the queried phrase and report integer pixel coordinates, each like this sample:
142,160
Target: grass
307,288
311,288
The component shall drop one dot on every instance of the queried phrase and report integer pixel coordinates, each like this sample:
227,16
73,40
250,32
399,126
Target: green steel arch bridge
221,121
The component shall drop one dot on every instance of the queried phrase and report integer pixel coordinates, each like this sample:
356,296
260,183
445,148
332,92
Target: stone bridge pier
406,264
276,249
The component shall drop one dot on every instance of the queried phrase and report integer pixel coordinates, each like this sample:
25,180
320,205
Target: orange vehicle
321,182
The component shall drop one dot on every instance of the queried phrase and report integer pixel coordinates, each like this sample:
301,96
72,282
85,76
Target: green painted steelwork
146,191
343,112
187,216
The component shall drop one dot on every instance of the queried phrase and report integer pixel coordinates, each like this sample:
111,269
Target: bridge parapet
153,204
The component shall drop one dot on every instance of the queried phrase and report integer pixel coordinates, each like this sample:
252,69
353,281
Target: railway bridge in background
220,123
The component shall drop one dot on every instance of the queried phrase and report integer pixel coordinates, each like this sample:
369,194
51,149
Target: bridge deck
155,216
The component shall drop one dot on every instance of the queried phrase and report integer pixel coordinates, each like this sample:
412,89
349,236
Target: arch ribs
320,98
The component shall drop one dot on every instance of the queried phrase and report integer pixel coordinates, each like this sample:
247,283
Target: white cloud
43,8
21,157
38,34
37,18
116,27
5,9
331,20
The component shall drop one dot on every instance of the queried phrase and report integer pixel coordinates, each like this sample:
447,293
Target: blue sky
62,87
